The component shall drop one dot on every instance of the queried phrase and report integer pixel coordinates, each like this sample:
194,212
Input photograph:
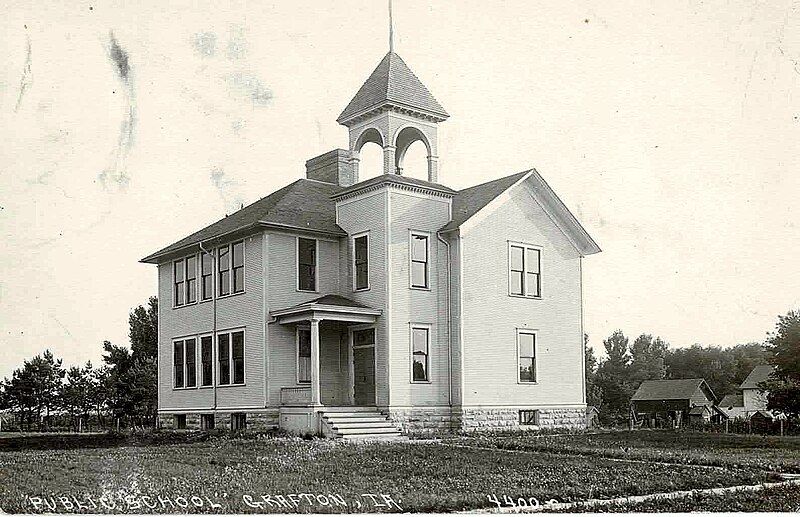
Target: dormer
394,109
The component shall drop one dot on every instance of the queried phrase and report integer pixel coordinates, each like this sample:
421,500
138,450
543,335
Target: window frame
201,285
175,283
411,235
297,264
428,359
234,267
298,381
534,414
218,370
525,272
184,365
354,264
231,269
200,339
535,334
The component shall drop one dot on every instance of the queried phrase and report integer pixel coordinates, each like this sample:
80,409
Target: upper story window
524,270
420,253
206,276
306,264
179,282
420,345
184,281
526,355
230,268
361,262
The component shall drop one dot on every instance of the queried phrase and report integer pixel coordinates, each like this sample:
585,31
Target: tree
724,369
613,380
76,394
647,359
783,347
594,395
143,332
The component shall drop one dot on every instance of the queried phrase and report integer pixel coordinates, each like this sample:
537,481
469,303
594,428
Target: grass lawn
234,471
770,453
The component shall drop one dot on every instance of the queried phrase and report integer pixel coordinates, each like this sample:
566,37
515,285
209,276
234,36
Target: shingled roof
669,389
759,374
470,200
393,82
302,205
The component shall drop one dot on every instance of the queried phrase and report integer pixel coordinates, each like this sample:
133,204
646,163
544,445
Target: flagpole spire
391,28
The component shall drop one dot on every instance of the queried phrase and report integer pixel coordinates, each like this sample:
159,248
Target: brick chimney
332,167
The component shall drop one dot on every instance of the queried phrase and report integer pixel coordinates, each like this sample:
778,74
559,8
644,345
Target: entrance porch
335,361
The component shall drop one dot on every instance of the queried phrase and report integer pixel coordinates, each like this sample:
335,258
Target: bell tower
393,109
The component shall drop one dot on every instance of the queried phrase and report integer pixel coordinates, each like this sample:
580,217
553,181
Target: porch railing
296,396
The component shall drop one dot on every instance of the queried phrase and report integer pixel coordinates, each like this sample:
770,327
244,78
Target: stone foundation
256,421
443,420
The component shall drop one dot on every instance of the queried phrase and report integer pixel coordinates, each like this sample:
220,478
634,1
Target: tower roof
393,83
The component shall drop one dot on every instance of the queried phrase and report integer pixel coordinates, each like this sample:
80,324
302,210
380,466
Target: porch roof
328,307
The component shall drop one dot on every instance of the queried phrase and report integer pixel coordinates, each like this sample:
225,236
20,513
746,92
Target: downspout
449,326
213,326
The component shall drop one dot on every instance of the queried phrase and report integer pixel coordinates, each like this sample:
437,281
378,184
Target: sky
670,129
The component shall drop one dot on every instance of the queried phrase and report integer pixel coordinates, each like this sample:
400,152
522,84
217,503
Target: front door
364,367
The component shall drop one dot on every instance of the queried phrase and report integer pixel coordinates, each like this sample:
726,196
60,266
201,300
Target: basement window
528,417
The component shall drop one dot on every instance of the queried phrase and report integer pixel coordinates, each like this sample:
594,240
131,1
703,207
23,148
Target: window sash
306,264
223,359
178,281
177,364
207,276
191,279
207,361
237,353
524,270
238,267
526,356
224,271
361,262
190,349
303,356
420,344
419,260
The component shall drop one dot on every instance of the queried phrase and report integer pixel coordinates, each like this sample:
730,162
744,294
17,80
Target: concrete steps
355,423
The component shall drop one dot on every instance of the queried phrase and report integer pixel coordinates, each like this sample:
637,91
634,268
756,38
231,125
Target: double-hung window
206,361
230,358
420,254
303,355
524,270
237,249
361,262
179,282
184,363
191,279
420,349
306,264
224,271
526,355
230,268
206,276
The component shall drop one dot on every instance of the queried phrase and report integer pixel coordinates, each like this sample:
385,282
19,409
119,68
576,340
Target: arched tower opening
412,153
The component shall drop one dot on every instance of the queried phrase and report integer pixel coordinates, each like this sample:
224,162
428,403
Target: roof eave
347,119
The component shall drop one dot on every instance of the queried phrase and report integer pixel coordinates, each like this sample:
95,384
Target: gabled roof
469,202
670,389
759,374
333,299
699,410
304,204
393,82
732,400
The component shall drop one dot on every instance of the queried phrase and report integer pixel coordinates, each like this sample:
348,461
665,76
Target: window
237,345
526,346
207,422
207,276
524,264
306,264
206,361
179,294
178,364
528,417
420,340
180,421
419,260
238,266
224,268
230,354
223,344
361,262
303,356
191,279
238,421
191,363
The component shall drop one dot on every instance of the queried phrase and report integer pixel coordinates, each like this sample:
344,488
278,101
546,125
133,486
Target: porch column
315,398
